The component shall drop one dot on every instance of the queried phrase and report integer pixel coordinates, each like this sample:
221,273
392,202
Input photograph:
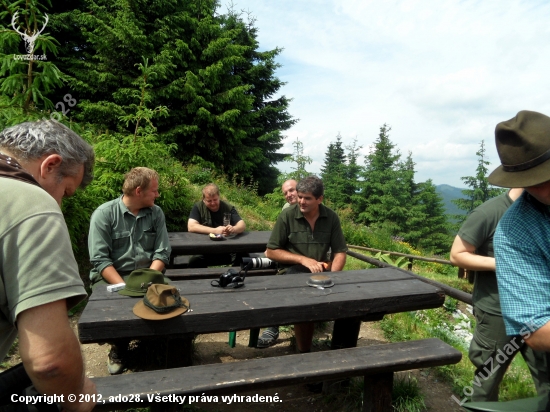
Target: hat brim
526,178
147,313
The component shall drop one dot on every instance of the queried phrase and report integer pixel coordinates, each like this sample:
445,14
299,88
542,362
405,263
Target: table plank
200,286
185,243
227,310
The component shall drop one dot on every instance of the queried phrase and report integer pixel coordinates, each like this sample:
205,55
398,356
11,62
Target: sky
440,73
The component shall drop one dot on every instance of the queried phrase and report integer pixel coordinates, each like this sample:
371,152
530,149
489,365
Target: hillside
449,193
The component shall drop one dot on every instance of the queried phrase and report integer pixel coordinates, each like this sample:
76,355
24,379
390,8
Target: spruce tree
218,87
334,173
480,190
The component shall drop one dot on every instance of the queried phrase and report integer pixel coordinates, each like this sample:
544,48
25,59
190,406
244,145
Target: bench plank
234,377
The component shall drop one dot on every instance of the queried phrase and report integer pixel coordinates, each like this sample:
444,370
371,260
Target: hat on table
523,145
139,280
161,302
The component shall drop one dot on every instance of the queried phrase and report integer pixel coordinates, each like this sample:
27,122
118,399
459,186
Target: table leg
345,333
232,339
179,351
253,340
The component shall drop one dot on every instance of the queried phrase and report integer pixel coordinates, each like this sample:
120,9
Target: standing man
473,249
126,234
270,335
289,191
301,239
40,163
521,241
207,217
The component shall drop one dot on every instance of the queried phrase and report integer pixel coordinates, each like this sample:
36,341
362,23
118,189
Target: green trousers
492,351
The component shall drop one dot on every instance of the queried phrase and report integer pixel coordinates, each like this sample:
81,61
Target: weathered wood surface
233,377
265,300
185,243
211,273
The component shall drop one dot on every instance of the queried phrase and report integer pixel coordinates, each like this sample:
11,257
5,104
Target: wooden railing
455,293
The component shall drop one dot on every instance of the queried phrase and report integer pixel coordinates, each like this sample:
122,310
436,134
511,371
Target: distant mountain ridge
449,193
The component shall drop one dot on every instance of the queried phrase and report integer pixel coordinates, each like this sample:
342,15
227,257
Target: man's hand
312,264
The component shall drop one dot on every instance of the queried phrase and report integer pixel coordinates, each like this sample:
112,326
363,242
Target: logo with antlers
29,40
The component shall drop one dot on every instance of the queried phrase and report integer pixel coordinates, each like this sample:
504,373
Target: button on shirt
128,242
522,255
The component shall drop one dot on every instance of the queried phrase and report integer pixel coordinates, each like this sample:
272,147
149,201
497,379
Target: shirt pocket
121,243
148,240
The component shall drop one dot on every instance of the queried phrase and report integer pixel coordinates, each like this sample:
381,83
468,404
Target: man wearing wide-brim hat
522,239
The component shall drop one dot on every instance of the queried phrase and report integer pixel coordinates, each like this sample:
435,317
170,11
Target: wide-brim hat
139,280
161,302
523,145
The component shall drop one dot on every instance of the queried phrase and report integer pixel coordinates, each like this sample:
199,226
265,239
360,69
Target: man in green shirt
126,234
301,239
41,162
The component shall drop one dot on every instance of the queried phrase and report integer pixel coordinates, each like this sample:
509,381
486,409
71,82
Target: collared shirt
478,230
522,253
117,237
292,232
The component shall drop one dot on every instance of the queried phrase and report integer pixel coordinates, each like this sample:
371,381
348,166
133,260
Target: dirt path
213,348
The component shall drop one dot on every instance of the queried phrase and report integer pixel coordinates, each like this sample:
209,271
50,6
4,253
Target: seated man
301,239
270,335
207,217
126,234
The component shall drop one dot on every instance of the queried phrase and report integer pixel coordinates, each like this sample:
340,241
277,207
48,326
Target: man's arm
111,275
51,354
540,339
463,255
284,256
161,255
194,226
100,246
338,262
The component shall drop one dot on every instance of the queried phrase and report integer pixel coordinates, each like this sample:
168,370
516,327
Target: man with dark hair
301,239
473,249
40,163
126,234
521,241
207,216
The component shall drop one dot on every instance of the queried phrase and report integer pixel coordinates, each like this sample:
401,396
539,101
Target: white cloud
441,74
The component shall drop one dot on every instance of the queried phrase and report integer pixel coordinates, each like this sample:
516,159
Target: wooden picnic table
185,243
263,301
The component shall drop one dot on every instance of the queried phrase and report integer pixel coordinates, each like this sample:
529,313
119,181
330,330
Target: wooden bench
376,363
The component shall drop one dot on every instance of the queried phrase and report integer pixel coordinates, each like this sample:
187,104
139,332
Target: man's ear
50,164
138,190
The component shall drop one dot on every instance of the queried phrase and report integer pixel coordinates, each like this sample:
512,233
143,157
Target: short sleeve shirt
292,232
478,230
127,242
37,265
522,255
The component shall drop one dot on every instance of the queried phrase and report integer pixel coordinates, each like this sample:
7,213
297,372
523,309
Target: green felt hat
139,280
523,145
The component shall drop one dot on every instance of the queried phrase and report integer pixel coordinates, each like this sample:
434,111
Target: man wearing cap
126,234
207,217
522,250
473,249
301,239
40,163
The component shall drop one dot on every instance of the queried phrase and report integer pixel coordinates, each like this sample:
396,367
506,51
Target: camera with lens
249,263
229,279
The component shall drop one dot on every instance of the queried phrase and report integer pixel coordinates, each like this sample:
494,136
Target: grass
406,396
405,326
